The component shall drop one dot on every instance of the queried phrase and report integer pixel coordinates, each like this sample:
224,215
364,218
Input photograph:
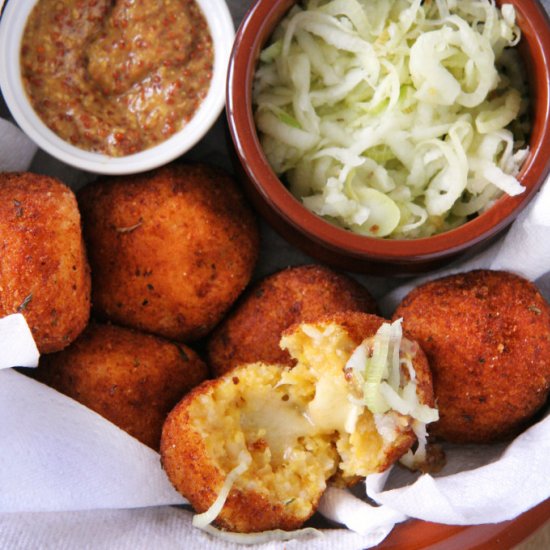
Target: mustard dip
116,77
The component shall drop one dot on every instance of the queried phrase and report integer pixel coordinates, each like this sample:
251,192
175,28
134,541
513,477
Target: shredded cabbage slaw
394,118
377,365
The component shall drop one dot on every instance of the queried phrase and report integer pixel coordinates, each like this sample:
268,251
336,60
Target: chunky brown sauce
116,76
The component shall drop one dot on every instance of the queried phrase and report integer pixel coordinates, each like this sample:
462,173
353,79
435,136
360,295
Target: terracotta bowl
343,248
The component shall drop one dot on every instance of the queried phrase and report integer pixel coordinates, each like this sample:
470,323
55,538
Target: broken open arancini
272,436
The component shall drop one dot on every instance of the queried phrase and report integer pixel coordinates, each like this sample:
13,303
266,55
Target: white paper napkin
16,150
17,346
59,455
160,528
496,492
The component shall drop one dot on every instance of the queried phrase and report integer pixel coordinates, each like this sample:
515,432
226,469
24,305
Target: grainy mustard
116,77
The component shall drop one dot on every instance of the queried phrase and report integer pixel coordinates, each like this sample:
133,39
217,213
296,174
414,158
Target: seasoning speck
23,306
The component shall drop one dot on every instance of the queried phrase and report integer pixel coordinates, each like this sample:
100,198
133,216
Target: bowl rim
251,35
14,17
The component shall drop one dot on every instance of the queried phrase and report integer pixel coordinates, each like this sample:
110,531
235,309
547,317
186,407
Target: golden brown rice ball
44,273
487,338
170,250
276,435
253,330
130,378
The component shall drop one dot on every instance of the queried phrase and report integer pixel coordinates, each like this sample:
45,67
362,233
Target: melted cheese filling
299,426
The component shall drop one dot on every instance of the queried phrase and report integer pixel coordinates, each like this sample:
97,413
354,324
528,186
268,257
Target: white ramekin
11,31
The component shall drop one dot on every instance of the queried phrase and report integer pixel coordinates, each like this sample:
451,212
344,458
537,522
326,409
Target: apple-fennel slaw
394,118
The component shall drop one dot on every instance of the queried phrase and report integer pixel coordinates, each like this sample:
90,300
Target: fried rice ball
44,272
279,434
487,338
253,330
170,250
130,378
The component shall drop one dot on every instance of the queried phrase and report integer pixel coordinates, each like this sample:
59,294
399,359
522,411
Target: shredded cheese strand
261,538
206,518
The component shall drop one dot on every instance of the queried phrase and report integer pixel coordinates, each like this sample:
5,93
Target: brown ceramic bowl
422,535
343,248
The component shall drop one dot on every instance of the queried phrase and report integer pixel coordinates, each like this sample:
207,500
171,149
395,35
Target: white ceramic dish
11,30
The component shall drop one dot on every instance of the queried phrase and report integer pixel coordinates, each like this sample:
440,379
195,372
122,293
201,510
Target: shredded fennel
414,460
277,535
202,521
394,118
376,365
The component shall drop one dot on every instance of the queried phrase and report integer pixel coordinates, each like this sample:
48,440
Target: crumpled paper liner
17,346
494,492
161,528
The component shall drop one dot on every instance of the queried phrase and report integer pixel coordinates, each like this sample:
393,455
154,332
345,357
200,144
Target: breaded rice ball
44,273
273,436
170,250
487,338
130,378
253,330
